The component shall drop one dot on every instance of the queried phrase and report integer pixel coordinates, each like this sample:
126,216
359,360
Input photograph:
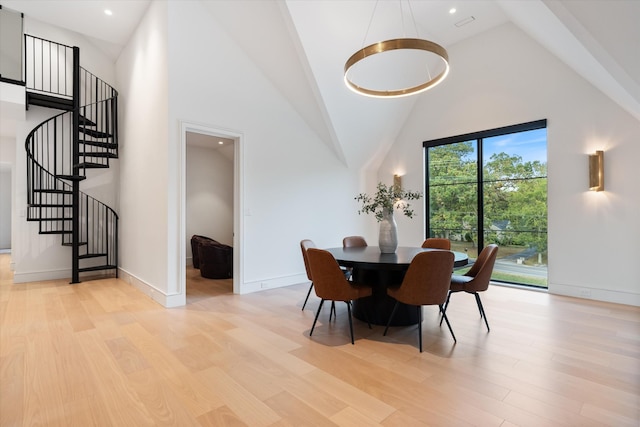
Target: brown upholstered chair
353,242
476,279
330,283
437,243
425,283
304,245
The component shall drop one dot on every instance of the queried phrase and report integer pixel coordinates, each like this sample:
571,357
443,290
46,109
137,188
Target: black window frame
479,137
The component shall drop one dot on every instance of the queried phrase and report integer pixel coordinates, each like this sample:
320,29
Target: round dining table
380,271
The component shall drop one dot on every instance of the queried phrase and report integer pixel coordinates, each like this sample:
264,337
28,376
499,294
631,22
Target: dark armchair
214,259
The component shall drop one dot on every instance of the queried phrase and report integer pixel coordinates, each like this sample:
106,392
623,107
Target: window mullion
480,196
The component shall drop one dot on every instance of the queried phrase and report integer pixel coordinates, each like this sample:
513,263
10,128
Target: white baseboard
276,282
61,274
40,276
618,297
168,301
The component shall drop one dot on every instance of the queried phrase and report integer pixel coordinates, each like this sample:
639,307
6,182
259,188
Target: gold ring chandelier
391,45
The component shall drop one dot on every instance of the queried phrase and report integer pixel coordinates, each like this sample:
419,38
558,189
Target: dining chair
330,283
425,283
437,243
304,245
353,242
476,279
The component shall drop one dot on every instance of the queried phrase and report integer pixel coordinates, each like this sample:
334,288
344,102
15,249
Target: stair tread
71,244
52,191
50,101
91,165
87,256
49,205
85,121
72,177
95,133
98,267
55,232
101,154
102,144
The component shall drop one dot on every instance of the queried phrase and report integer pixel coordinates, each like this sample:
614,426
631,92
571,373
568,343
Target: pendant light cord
413,18
366,34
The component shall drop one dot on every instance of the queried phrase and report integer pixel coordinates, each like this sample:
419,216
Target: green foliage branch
386,199
514,190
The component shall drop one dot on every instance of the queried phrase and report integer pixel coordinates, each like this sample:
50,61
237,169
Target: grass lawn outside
505,252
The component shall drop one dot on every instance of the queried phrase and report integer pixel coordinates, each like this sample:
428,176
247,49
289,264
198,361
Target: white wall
502,78
294,187
209,196
5,207
142,78
7,166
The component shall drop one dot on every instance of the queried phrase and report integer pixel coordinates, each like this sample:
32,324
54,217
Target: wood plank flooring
100,353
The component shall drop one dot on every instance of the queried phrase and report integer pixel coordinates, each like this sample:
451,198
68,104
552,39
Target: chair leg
444,307
307,298
446,303
444,316
366,317
350,321
420,327
333,310
482,313
393,312
316,319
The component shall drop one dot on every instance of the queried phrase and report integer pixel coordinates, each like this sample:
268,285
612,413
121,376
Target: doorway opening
210,205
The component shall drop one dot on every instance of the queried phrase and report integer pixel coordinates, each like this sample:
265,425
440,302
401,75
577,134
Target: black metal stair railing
62,148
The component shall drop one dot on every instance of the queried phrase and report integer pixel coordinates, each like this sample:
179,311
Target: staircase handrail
66,70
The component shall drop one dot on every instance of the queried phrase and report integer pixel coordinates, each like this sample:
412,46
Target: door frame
238,197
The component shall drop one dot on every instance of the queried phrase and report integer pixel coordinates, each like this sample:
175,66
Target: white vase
388,238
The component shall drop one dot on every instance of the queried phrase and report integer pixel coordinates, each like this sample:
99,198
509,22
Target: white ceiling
111,33
303,45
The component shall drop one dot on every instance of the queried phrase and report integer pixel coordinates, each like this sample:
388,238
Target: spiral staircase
61,149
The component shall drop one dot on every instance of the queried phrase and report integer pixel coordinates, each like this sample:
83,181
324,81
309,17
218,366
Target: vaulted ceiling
301,47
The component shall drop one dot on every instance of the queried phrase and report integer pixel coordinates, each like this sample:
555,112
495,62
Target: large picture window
491,187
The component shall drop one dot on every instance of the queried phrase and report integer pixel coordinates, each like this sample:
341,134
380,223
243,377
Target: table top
371,257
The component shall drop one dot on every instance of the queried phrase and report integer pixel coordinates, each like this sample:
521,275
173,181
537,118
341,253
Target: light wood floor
102,354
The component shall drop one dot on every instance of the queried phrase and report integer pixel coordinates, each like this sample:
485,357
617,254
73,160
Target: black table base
378,307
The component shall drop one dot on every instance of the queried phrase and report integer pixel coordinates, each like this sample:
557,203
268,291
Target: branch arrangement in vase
387,198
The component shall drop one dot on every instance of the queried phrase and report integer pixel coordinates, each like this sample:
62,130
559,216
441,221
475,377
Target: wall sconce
397,181
596,171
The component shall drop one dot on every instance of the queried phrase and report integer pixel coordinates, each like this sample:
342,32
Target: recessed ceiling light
108,12
220,142
452,10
